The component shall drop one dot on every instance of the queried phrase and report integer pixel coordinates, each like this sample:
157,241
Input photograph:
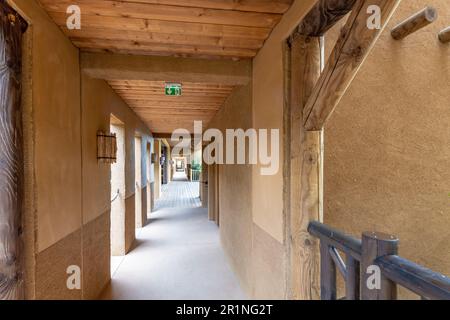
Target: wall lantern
106,147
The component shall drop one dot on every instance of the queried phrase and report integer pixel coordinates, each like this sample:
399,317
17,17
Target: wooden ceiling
164,114
199,28
213,29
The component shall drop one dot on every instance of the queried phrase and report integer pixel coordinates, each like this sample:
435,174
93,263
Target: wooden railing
372,269
195,175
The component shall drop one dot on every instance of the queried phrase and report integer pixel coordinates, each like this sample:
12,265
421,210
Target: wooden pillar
11,155
157,169
352,281
138,204
375,245
212,192
305,170
217,194
204,183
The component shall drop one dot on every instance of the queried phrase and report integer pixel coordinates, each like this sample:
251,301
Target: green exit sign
173,89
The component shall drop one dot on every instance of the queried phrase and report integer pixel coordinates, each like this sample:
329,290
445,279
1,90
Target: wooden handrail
337,239
422,281
374,250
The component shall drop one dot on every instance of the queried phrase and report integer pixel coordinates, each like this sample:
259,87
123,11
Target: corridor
177,255
179,194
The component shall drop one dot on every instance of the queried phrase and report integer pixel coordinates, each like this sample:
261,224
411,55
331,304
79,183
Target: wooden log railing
363,258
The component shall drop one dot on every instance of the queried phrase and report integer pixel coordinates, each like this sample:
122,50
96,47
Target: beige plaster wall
387,154
235,185
99,101
268,93
72,191
256,257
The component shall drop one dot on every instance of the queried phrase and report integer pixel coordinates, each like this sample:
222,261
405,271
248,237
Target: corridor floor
177,255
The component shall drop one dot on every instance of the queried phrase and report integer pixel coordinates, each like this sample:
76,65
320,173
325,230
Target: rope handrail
116,196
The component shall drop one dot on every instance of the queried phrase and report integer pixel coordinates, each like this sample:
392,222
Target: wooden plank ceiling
164,114
213,29
205,28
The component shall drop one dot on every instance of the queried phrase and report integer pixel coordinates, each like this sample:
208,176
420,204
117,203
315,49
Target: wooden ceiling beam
277,6
173,106
186,89
99,34
160,84
161,26
160,94
149,48
150,68
171,54
164,99
111,8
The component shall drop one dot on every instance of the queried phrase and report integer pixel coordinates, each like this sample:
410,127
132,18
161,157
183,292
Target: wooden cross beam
323,16
351,50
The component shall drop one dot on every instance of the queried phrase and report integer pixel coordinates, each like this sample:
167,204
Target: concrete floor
177,256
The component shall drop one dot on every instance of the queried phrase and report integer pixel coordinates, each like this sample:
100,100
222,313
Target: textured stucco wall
98,103
235,183
387,154
268,236
268,95
255,256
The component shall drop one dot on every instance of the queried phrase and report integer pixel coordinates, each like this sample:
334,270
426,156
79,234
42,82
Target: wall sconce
106,147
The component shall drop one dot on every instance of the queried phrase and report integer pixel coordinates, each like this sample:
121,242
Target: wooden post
327,273
212,192
305,171
444,35
414,23
352,283
11,155
375,245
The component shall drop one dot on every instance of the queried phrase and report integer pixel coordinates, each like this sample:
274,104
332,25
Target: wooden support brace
352,48
328,274
418,21
444,35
